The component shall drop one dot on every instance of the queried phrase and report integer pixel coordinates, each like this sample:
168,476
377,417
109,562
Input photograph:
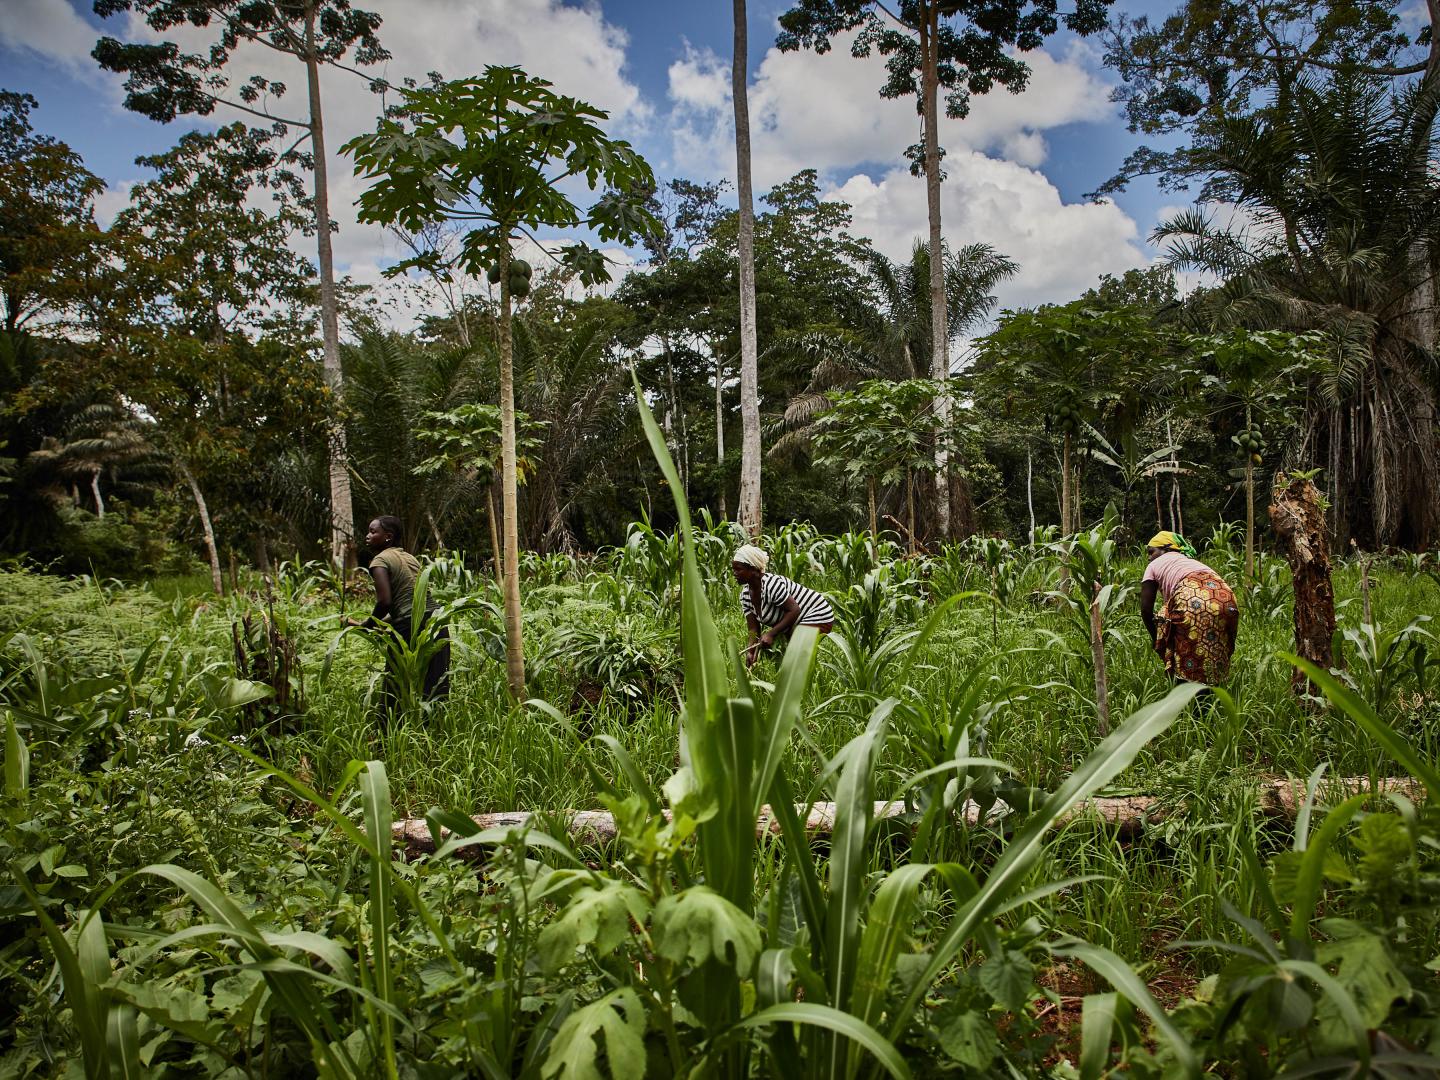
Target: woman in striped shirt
774,601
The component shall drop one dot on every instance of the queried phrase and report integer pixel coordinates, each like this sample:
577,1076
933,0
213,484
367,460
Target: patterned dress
1196,629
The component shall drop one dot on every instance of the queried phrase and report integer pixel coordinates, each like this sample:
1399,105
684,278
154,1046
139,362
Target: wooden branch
1131,814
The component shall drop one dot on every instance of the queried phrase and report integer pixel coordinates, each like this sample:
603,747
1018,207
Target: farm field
279,944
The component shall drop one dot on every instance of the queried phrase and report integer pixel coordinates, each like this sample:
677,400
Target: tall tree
163,82
749,509
47,224
1213,61
493,151
202,270
1342,190
893,341
963,46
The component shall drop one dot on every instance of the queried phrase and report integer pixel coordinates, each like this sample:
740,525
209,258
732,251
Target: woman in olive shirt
395,570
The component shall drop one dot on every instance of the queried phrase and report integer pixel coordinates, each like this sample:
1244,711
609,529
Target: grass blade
1111,757
379,816
841,1023
1122,976
1390,740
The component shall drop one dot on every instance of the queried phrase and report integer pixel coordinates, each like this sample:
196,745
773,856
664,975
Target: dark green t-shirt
403,569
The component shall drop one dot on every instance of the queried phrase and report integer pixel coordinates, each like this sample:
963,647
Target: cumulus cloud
1062,248
825,112
49,28
571,45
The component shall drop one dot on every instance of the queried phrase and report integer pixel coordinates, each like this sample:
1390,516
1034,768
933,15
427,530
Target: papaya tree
499,153
1072,366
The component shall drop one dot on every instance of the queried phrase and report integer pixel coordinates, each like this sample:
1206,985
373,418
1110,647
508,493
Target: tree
962,45
1212,62
1344,242
47,222
883,432
200,269
750,502
1260,372
162,82
493,151
894,339
1073,366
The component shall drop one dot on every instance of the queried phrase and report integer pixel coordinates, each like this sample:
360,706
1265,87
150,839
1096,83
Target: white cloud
825,112
572,46
49,28
1062,248
111,201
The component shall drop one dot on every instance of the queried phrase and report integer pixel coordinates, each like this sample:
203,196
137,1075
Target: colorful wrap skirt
1196,632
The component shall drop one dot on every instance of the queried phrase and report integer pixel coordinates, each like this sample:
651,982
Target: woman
774,601
395,570
1196,634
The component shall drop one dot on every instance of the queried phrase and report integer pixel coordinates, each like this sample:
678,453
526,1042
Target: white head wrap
750,555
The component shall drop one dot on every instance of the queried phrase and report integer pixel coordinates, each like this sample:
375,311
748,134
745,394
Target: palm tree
390,385
1346,201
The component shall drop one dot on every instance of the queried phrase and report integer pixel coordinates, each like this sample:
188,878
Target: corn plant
1088,558
1380,659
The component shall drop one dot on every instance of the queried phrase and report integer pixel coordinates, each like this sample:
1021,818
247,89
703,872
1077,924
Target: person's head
1164,542
749,564
383,532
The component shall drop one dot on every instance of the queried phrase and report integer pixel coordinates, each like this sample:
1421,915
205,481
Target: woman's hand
767,639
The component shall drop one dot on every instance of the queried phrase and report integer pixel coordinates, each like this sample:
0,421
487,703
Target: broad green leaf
698,924
1097,1027
17,762
1006,878
1122,976
968,1036
1009,978
595,917
615,1025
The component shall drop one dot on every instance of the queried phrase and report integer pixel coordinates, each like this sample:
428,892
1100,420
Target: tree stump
1297,516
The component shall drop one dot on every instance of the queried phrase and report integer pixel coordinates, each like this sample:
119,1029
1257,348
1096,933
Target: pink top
1170,569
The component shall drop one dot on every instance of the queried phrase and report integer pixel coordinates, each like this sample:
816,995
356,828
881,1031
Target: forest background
171,391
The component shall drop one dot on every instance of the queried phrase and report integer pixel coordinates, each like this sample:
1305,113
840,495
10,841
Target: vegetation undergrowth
202,879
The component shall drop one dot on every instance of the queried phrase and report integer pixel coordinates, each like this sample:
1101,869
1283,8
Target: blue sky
1018,168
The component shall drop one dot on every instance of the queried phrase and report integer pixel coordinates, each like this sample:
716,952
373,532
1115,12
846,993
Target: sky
1017,168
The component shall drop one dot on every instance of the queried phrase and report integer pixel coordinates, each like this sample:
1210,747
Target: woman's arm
1148,590
790,615
752,620
383,598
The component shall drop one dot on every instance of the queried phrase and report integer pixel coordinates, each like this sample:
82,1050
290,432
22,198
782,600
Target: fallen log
1129,813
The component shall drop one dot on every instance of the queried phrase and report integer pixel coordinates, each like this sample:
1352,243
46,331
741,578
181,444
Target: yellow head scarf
1171,541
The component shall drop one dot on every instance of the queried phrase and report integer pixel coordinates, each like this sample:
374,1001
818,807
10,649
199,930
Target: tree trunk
720,428
1030,489
435,530
1129,814
342,510
95,491
1065,527
939,320
509,499
749,510
1249,510
874,522
495,537
216,579
1299,523
910,508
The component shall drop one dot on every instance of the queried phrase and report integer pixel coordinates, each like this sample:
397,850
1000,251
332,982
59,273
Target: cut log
1131,814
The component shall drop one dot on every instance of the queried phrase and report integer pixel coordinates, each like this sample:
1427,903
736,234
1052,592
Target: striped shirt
775,590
